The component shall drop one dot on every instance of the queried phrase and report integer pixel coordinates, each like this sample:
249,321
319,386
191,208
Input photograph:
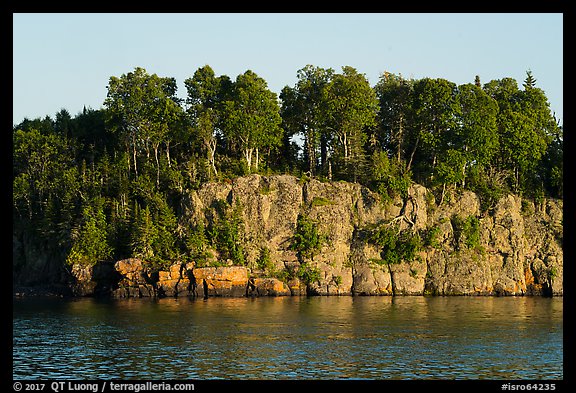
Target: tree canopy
108,183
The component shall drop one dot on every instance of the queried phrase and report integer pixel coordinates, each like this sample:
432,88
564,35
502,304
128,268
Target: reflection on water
289,338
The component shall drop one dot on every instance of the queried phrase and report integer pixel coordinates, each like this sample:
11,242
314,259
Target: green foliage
252,118
113,182
337,280
389,177
308,274
265,189
351,107
197,245
489,186
436,110
467,232
145,234
396,246
395,96
90,244
264,261
303,113
307,241
320,201
285,274
430,238
450,166
225,232
527,208
552,272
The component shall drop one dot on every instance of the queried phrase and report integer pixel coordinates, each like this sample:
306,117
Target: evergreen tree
145,234
477,81
90,243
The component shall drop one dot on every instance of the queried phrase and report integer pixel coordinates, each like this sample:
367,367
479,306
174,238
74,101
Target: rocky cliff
515,249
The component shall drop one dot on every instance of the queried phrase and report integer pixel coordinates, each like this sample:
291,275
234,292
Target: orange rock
220,281
268,287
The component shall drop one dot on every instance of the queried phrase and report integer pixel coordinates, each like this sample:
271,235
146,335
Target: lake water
320,338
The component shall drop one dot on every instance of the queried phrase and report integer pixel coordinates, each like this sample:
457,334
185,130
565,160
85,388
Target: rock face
515,249
179,280
267,287
220,281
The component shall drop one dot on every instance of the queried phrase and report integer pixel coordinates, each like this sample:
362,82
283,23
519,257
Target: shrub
308,274
396,246
264,261
307,241
466,231
320,201
225,232
430,238
197,245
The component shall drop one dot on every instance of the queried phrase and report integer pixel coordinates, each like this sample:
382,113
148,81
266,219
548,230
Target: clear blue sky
65,60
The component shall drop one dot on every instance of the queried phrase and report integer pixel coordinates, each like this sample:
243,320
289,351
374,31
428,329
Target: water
289,338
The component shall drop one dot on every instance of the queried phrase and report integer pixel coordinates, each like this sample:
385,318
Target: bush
395,246
309,274
430,238
466,231
321,201
225,232
197,245
388,177
307,241
264,261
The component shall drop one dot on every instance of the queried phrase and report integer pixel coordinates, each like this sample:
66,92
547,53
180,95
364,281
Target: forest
107,184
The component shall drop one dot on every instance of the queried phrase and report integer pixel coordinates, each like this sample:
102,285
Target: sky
65,60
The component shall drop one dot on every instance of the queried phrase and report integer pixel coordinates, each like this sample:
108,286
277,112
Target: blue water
409,337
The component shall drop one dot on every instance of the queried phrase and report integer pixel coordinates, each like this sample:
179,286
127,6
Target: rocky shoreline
129,278
513,249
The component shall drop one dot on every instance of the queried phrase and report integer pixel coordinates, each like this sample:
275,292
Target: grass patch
321,201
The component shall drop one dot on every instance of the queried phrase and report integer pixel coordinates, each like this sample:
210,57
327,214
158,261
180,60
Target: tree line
109,183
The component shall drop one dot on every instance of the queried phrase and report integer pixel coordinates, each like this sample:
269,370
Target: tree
303,109
351,107
552,166
477,82
307,240
530,81
395,115
206,93
477,134
435,110
90,243
63,123
525,128
252,118
144,235
88,128
141,108
39,161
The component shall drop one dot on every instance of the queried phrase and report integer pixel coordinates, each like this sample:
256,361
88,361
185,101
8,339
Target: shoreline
60,293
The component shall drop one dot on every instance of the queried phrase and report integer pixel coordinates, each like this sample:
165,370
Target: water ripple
289,338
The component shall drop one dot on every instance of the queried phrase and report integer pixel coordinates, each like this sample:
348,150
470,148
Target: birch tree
252,118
